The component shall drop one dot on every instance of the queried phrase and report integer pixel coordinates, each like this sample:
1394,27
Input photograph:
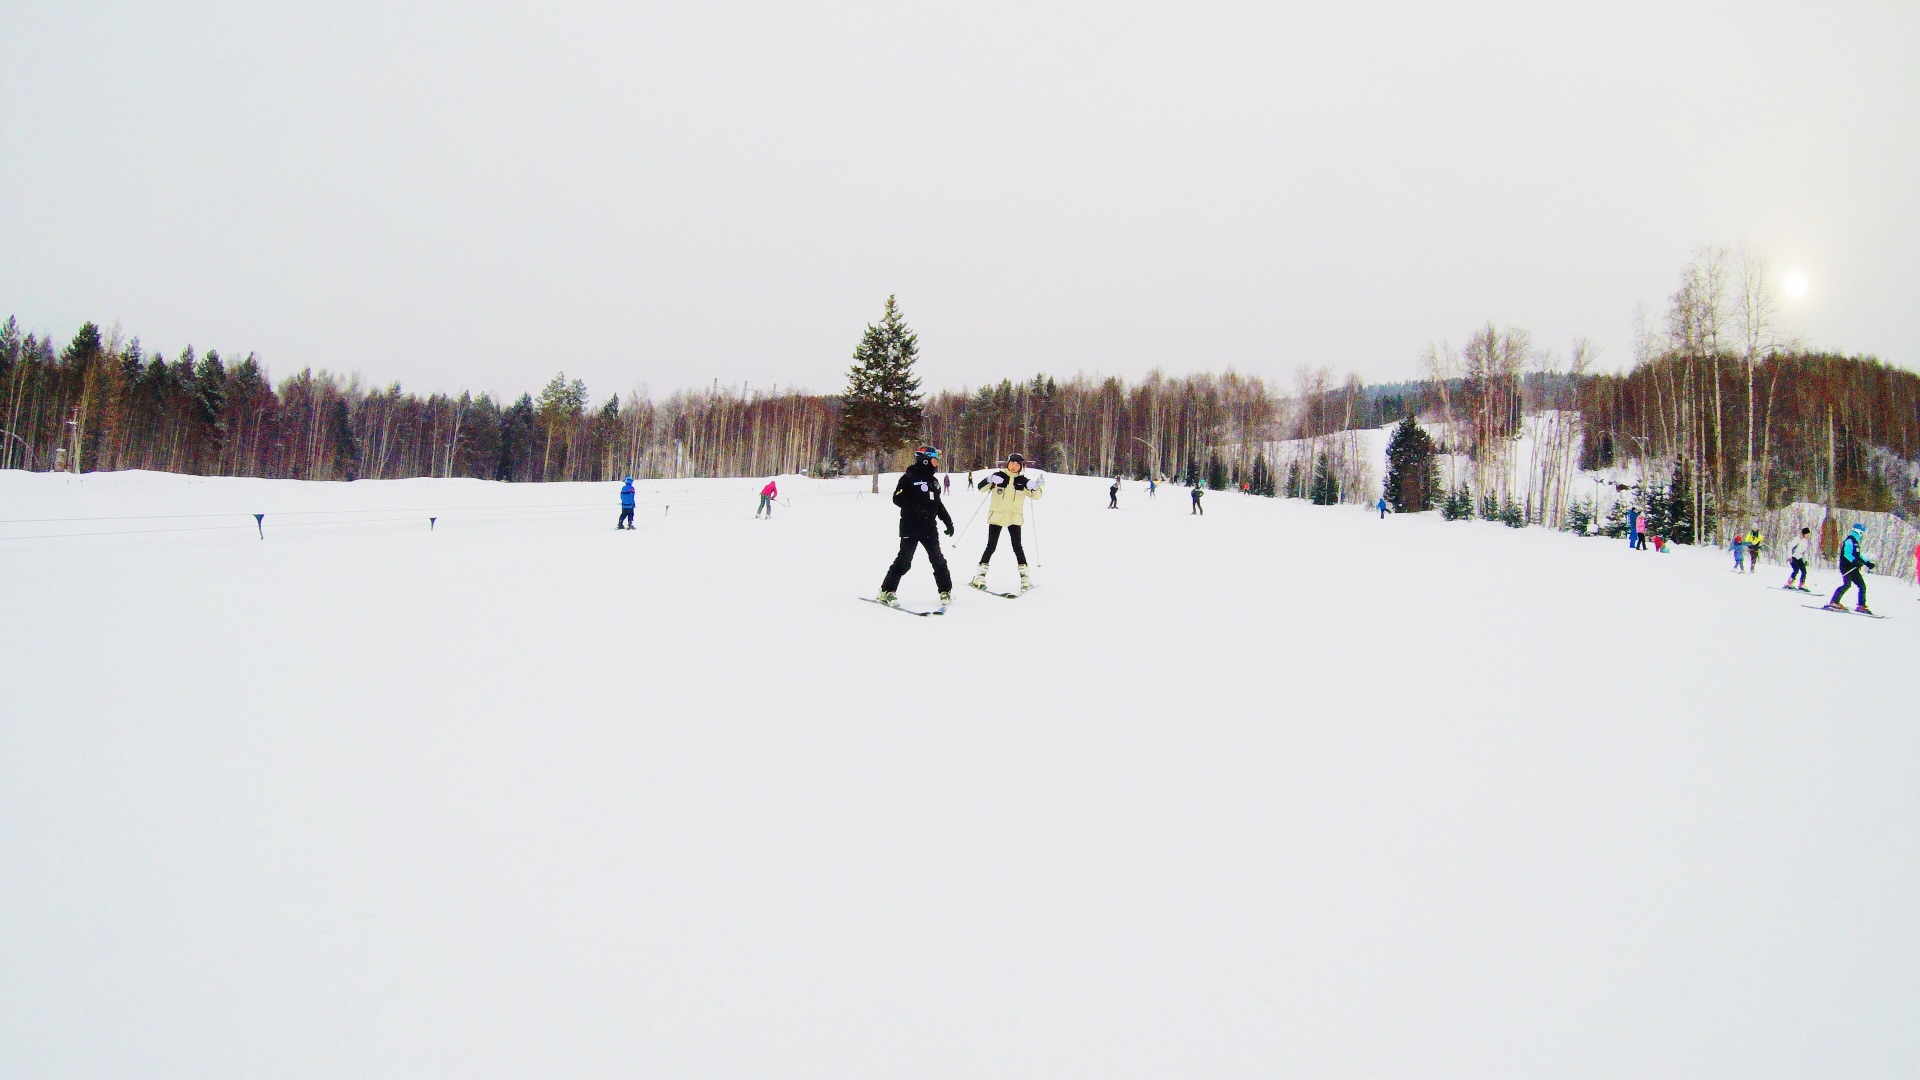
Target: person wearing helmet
767,495
1853,559
626,505
918,497
1007,489
1797,554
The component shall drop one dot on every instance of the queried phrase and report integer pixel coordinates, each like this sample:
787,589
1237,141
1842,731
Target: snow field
1283,790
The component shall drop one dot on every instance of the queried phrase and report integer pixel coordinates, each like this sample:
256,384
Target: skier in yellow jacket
1007,488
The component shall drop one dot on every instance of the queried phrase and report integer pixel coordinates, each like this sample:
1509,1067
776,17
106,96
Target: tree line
1718,404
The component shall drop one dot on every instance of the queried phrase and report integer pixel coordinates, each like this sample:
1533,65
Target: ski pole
1033,523
969,525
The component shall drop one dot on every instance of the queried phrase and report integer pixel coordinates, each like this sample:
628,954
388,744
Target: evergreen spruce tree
1489,506
1458,505
1579,516
1262,477
1192,478
881,409
1511,514
1413,484
1295,488
1216,473
1324,490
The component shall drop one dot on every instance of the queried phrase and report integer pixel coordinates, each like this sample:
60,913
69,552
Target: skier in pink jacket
767,495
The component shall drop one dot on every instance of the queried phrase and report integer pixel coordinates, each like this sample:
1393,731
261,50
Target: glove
949,530
1019,483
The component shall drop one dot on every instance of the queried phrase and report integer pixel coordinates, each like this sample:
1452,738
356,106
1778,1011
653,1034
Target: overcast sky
476,194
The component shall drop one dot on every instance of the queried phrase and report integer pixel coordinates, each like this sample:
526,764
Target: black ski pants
904,561
1798,571
1113,499
993,541
626,518
1855,578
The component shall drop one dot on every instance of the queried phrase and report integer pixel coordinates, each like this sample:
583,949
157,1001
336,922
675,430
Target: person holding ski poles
918,496
767,495
1007,490
1797,553
626,505
1113,495
1196,503
1753,540
1739,546
1383,508
1852,561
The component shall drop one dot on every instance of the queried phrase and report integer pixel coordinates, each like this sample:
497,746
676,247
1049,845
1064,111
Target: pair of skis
1842,611
943,611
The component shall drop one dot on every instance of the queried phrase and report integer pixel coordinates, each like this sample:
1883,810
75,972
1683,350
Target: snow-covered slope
1276,791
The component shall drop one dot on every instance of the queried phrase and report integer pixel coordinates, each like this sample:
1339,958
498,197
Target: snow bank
1280,790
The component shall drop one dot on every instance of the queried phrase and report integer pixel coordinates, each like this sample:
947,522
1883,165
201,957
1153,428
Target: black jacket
918,497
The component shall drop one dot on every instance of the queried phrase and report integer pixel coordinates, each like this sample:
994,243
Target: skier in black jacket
918,497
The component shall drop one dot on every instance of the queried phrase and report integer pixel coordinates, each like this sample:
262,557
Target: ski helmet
1859,527
1016,459
926,455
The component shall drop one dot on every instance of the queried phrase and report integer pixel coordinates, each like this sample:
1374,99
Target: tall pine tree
881,409
1325,487
1412,483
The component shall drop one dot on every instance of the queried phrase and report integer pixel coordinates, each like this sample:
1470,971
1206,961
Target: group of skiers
920,490
1638,538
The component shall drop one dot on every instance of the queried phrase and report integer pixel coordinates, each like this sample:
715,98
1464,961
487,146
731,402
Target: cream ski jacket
1005,506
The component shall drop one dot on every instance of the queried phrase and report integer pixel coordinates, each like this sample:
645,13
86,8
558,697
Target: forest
1717,402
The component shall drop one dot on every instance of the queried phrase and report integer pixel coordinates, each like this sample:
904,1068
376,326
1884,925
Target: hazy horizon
474,196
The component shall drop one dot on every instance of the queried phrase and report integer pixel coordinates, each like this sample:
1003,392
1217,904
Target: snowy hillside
1277,791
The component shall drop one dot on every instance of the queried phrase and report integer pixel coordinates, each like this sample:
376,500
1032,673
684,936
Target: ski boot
887,598
1025,581
1862,609
1834,605
980,579
945,599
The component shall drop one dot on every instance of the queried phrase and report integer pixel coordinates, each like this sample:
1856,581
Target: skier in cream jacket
1008,489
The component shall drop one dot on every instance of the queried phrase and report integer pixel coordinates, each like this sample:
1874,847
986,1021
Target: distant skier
1642,534
1153,487
1797,553
1852,561
1383,508
918,497
1636,534
1196,503
767,495
626,505
946,484
1113,495
1739,547
1007,490
1753,540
